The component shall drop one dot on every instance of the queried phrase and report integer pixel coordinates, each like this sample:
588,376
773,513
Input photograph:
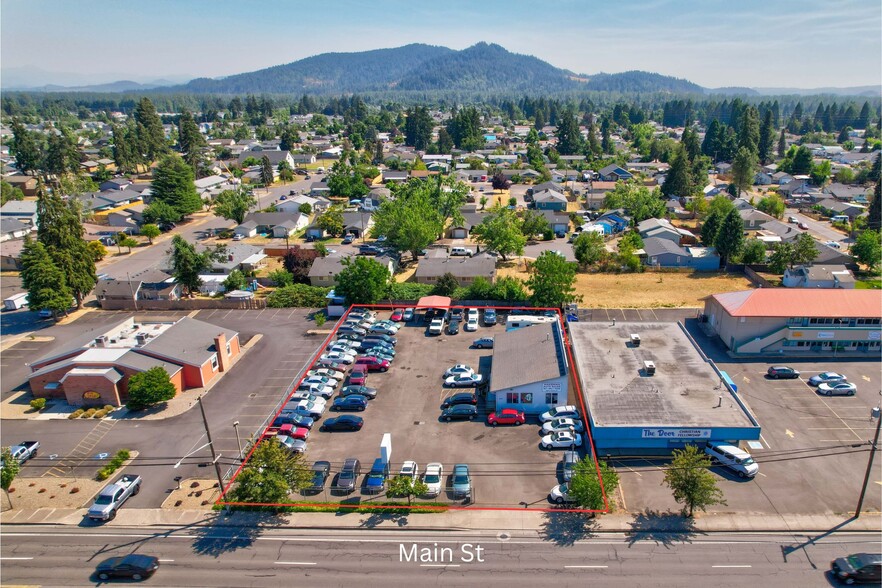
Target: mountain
328,73
733,91
642,82
852,91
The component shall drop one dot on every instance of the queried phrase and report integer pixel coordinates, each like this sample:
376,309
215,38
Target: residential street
241,556
820,229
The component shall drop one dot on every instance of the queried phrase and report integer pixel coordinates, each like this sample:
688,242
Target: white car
561,440
434,478
320,381
436,327
304,395
326,373
471,324
569,411
833,244
345,358
464,380
458,369
562,424
352,344
560,494
316,390
340,347
472,314
410,469
308,408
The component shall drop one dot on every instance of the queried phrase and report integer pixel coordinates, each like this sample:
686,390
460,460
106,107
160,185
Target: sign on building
676,433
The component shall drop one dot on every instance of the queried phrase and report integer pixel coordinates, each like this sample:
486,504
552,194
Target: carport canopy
434,302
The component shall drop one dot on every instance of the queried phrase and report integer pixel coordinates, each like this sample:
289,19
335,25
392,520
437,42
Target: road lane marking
585,567
789,433
166,560
295,563
16,558
439,565
764,441
731,566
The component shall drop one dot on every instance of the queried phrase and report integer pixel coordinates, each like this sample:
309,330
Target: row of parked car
346,480
827,383
452,318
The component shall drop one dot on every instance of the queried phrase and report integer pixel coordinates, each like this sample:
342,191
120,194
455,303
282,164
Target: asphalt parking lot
813,451
508,468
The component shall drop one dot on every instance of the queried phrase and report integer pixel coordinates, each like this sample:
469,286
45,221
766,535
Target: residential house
114,184
471,218
303,158
661,252
324,270
818,276
614,173
11,228
550,200
753,219
24,211
596,193
559,223
277,224
793,187
128,219
240,256
829,256
10,255
663,229
780,178
319,189
617,220
27,184
844,192
357,223
293,203
762,179
464,269
275,157
392,175
837,207
787,232
471,175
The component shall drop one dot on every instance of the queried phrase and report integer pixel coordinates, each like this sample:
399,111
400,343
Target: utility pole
877,414
220,479
132,290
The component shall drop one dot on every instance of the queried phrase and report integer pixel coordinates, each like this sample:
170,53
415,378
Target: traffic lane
267,197
821,229
219,556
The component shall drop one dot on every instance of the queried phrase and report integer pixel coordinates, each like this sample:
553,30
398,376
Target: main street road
241,556
820,229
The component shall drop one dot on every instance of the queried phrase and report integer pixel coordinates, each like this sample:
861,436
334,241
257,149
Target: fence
187,304
757,279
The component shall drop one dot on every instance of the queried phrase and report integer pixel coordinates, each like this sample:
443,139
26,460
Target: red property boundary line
337,505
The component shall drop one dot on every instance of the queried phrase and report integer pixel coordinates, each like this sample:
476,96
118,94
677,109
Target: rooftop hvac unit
101,341
635,339
141,338
649,368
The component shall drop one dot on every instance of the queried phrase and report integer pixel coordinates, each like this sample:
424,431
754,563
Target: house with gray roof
549,200
11,228
21,210
277,224
662,252
471,218
662,228
818,276
464,269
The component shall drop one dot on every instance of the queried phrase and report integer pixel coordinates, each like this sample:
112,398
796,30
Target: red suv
373,364
507,416
358,376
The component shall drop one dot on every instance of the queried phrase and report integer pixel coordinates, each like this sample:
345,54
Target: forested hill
482,68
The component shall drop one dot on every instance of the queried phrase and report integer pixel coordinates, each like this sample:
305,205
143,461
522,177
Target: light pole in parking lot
876,414
238,442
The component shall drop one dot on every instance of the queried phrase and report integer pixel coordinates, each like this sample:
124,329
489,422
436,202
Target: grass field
649,289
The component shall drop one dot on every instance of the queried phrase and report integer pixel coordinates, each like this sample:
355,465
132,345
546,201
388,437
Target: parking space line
655,316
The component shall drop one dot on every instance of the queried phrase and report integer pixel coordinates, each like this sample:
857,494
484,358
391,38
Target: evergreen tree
569,139
266,172
730,238
749,130
743,169
711,144
606,143
173,185
61,154
445,141
187,264
766,139
690,143
710,228
190,140
44,281
418,128
678,182
863,119
60,230
874,214
151,135
25,148
465,129
782,144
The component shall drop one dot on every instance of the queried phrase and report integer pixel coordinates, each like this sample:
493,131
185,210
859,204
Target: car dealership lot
507,466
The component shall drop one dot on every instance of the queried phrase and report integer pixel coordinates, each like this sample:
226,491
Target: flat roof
684,392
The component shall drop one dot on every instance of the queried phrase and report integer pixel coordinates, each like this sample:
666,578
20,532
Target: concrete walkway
513,522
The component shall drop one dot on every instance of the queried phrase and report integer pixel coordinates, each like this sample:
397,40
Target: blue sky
798,43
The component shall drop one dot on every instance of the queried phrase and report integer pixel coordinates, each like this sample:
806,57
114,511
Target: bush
120,458
297,295
100,414
76,414
320,318
38,403
108,407
149,388
89,413
408,290
281,277
548,235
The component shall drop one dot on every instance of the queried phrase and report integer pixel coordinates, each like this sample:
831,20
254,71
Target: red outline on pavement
417,507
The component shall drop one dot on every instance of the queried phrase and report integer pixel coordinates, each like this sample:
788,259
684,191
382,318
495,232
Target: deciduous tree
867,249
501,232
781,258
149,388
362,281
150,231
773,205
271,475
637,201
235,204
552,281
754,252
805,250
406,487
589,248
187,264
331,221
585,486
693,485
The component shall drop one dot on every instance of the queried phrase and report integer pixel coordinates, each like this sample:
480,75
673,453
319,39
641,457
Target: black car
287,417
453,327
456,314
858,568
320,472
369,249
346,422
348,476
781,371
356,402
349,337
135,566
461,398
382,338
365,391
459,412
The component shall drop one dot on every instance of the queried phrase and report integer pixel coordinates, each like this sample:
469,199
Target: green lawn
868,284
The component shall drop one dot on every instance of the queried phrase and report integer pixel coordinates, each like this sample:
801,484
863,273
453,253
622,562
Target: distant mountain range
418,68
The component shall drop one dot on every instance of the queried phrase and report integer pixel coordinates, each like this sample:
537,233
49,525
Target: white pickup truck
113,496
24,450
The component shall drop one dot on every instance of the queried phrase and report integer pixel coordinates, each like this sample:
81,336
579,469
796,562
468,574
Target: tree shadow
565,528
665,528
375,519
233,531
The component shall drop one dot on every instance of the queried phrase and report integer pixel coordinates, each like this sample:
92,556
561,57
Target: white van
461,251
839,218
732,457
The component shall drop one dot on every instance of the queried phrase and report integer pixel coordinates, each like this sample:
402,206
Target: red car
397,315
292,431
373,364
358,376
507,416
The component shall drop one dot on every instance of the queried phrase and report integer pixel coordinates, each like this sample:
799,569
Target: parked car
358,376
410,469
568,411
292,430
483,343
827,378
348,476
562,424
369,249
457,370
384,338
560,494
370,347
453,327
436,327
459,412
353,402
367,392
136,566
345,422
346,329
354,344
858,568
464,381
792,220
384,328
397,315
336,356
408,315
781,371
507,416
301,395
357,323
320,381
383,353
24,450
461,481
561,440
326,373
112,497
472,313
347,239
309,408
461,398
293,445
312,391
321,470
802,226
471,325
376,478
733,458
434,478
568,464
373,363
838,389
289,417
489,316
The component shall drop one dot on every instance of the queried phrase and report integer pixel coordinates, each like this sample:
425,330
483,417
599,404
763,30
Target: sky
714,43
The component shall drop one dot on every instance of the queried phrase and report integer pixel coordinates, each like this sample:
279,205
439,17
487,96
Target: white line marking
167,560
17,558
439,565
764,441
585,567
731,566
295,563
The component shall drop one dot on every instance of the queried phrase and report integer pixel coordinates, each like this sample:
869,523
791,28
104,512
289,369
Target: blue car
376,479
357,403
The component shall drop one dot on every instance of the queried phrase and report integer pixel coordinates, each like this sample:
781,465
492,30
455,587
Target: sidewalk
512,522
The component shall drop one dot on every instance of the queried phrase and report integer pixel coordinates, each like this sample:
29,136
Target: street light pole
878,416
238,442
214,457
